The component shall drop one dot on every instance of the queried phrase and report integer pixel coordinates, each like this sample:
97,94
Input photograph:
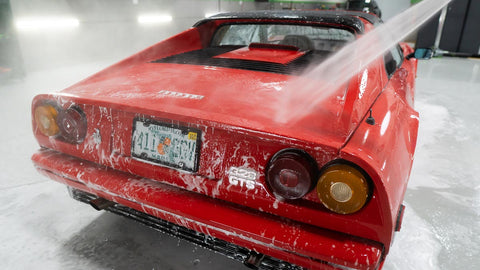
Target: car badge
243,177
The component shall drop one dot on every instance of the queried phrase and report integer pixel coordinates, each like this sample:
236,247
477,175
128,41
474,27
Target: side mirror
421,53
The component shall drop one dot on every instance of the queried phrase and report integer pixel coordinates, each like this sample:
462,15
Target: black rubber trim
347,18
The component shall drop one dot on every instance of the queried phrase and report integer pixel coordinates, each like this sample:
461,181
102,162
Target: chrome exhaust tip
101,203
254,260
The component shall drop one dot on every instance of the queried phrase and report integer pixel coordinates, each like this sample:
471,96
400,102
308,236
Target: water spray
300,96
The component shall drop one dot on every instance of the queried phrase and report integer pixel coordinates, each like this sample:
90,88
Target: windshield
305,37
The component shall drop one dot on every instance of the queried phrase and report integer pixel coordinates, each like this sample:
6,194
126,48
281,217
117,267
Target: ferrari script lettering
179,95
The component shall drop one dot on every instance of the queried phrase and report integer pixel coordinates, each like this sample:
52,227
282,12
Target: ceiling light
46,23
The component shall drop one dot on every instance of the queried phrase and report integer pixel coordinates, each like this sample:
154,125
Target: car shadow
114,242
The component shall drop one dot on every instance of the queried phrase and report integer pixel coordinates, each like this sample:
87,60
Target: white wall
109,29
391,8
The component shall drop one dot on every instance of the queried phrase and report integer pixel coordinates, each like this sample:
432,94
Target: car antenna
370,120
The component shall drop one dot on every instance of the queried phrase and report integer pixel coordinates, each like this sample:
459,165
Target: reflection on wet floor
444,188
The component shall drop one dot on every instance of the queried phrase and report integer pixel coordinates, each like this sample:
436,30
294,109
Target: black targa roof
347,18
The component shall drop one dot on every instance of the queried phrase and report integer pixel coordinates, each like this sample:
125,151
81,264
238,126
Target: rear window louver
205,57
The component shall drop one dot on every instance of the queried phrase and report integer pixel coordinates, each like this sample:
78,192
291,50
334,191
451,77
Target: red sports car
180,137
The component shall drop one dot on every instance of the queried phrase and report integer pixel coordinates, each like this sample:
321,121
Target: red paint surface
235,117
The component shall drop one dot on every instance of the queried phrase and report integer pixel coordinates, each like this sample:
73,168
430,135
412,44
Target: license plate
166,144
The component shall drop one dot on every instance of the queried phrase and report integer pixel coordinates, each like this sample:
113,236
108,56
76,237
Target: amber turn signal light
343,189
45,118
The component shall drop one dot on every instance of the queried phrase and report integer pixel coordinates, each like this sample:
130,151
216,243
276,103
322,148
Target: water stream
300,96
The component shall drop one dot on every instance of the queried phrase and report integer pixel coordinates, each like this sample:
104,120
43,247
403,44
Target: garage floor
42,228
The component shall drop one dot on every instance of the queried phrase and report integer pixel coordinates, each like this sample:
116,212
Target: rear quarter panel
385,150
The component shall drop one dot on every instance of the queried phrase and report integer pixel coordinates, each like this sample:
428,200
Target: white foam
415,237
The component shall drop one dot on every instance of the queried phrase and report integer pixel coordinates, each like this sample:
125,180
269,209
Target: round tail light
46,120
72,124
290,174
343,189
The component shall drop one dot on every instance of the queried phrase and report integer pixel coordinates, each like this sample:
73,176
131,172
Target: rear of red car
191,150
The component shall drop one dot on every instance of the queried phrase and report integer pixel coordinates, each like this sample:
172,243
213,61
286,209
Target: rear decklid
234,97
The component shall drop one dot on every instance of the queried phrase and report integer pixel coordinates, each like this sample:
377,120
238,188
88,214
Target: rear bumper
297,243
